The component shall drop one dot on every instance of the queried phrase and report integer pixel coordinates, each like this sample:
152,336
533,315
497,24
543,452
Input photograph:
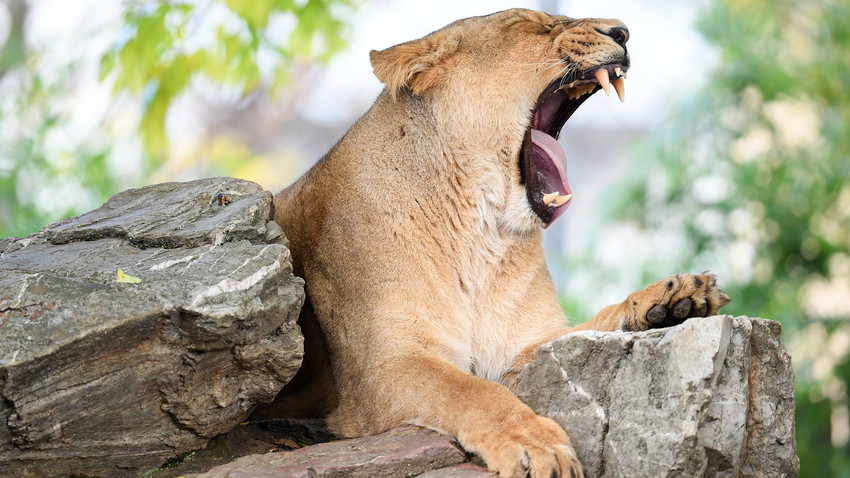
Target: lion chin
419,236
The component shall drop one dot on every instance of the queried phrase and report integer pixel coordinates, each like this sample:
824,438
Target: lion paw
538,447
672,301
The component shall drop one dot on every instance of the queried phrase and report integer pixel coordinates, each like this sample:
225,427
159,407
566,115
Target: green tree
753,173
238,43
48,171
42,177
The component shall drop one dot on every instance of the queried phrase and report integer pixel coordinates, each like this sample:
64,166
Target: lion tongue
551,162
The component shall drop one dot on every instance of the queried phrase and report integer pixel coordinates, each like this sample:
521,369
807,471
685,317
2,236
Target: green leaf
122,277
154,65
255,12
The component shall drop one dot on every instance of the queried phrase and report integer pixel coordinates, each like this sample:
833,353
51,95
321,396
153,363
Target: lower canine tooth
548,198
561,200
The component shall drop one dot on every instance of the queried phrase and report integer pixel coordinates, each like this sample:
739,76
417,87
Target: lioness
419,237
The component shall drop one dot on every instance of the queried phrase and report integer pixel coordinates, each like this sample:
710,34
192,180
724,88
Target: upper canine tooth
620,86
561,200
602,76
618,71
548,198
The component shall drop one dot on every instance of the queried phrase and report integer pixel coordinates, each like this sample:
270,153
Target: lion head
507,83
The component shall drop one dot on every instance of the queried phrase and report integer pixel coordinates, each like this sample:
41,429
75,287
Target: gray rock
103,378
711,397
406,451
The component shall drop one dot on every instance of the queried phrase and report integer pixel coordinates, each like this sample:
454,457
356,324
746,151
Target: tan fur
422,259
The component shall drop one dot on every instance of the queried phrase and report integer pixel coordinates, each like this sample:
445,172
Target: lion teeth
620,86
618,71
565,87
602,77
581,90
555,199
561,200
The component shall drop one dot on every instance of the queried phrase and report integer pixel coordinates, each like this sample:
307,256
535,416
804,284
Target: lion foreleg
425,390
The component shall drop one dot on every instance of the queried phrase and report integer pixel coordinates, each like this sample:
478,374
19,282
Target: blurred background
730,154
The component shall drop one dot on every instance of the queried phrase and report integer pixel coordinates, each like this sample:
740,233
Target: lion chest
496,287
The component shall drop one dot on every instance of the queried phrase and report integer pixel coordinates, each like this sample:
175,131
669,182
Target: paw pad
673,300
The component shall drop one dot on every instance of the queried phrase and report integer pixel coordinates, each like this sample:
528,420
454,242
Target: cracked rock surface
104,378
405,451
712,397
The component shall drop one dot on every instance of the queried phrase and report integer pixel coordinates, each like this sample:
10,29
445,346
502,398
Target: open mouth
543,163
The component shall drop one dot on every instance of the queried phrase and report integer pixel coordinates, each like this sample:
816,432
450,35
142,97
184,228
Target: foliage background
747,177
753,172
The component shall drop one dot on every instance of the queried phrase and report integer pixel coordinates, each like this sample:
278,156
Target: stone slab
406,451
104,378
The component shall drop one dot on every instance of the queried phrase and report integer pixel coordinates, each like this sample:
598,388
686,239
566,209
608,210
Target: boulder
711,397
405,451
101,377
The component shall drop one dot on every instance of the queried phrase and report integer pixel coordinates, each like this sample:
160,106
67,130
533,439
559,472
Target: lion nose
620,35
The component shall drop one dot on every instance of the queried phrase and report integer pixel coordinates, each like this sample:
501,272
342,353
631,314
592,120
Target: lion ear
419,64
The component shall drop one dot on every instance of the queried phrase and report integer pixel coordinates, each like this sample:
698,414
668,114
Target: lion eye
536,27
545,28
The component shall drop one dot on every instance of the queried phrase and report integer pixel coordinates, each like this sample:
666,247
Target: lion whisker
536,68
559,62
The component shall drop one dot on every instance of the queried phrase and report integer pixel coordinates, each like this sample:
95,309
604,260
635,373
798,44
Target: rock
406,451
466,470
247,438
303,431
103,378
711,397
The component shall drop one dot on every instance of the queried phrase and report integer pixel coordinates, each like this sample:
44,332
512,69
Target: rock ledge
104,378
